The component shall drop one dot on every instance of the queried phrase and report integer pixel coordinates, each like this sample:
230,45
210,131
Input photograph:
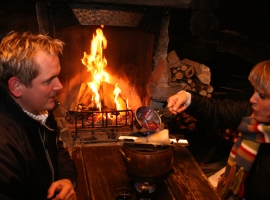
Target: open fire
99,103
99,93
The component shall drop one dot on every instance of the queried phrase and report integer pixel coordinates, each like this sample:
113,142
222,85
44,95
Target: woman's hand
176,103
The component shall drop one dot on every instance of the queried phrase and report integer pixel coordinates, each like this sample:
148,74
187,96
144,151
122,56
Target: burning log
85,101
106,95
74,104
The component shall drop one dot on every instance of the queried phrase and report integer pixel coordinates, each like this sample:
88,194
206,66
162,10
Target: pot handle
122,152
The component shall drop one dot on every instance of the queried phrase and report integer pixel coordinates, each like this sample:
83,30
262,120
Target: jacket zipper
47,155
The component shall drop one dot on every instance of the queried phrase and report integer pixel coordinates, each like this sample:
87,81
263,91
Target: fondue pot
147,161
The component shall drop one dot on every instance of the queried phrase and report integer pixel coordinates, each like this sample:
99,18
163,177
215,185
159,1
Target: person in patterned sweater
247,173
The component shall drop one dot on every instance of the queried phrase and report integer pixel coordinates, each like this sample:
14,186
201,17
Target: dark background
228,36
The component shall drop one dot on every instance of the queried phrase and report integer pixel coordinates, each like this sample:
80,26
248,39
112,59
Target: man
33,163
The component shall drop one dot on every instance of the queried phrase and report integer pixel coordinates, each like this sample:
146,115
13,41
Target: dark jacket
31,157
228,114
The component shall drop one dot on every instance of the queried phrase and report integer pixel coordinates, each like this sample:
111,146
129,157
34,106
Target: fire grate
90,121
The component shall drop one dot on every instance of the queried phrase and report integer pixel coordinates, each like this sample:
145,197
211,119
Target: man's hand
176,102
61,190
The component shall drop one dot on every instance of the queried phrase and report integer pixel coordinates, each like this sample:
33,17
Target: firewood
107,95
192,85
202,92
87,96
174,71
184,115
199,68
172,57
190,119
182,127
178,118
179,75
204,77
84,94
185,86
209,88
190,62
198,84
189,72
183,68
75,103
209,95
174,65
191,126
173,79
187,80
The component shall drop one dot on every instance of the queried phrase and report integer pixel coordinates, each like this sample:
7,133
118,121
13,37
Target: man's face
45,86
261,107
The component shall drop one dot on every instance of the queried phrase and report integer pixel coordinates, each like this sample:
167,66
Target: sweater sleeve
218,113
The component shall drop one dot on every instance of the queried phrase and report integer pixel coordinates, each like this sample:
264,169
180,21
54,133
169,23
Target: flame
116,93
96,63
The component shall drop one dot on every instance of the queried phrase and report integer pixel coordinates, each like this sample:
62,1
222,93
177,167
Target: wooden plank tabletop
101,170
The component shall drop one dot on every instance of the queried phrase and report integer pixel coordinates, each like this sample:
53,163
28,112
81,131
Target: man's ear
14,86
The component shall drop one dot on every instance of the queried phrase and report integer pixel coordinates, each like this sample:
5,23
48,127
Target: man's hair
259,77
17,53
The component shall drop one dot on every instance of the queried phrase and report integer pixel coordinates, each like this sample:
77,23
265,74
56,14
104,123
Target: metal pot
148,118
146,160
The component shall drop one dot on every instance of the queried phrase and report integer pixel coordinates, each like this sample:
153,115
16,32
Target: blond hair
17,52
259,77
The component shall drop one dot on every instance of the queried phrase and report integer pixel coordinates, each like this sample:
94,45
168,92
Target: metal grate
103,120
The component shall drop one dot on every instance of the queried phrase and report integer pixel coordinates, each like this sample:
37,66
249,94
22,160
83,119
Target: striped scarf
242,156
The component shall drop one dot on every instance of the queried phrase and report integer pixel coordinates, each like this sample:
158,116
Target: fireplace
137,42
137,35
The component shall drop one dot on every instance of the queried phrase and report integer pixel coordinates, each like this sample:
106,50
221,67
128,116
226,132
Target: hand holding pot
178,102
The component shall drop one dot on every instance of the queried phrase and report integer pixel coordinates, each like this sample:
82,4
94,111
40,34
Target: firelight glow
116,92
96,64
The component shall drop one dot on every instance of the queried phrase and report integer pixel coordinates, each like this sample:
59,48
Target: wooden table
101,170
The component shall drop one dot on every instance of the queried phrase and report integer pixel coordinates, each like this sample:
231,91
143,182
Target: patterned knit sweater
242,156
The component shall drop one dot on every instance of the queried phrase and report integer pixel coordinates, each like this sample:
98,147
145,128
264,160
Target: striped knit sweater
242,156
